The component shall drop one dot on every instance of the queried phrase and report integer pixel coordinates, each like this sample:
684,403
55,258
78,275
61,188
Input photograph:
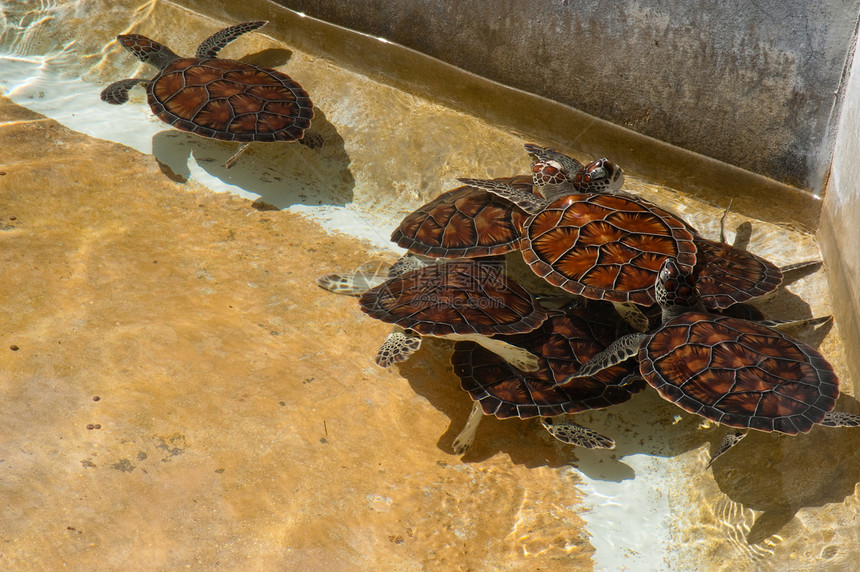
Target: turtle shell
562,344
605,247
728,275
465,222
230,100
460,297
739,373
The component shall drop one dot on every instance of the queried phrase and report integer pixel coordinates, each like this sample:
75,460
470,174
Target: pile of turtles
631,295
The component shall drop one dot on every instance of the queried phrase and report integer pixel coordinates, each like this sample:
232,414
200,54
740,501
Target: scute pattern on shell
739,373
465,222
461,297
728,275
562,344
230,100
605,247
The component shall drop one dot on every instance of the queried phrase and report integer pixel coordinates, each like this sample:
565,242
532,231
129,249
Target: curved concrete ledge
538,117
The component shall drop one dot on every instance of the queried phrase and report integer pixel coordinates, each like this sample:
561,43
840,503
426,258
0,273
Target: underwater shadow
780,474
269,58
282,174
431,376
645,424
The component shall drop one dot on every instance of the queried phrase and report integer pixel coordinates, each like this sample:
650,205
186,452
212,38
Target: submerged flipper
117,92
621,349
397,347
729,441
212,45
529,202
573,434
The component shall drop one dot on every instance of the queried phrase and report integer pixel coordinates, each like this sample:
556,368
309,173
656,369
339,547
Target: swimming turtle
736,372
216,98
459,300
562,343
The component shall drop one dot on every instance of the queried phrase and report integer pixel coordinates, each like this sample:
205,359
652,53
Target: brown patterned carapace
605,247
230,100
562,344
461,297
739,373
465,222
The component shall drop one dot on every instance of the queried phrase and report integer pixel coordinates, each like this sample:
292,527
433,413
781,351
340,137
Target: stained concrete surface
753,85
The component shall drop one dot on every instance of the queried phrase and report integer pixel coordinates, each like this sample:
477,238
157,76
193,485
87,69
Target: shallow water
243,421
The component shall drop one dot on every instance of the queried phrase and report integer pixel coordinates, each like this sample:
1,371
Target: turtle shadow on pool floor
644,424
780,475
282,174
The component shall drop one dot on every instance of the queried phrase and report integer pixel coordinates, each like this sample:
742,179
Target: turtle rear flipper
573,434
840,419
117,92
212,45
397,347
312,139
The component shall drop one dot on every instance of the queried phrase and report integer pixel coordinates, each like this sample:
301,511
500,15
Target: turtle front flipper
397,347
545,155
350,284
529,202
117,92
621,349
573,434
520,358
212,45
729,441
146,50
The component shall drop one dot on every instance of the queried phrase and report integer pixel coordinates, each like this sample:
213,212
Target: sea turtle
605,244
216,98
562,343
736,372
469,222
459,300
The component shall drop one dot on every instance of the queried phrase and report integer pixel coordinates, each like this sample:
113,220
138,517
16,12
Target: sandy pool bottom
242,421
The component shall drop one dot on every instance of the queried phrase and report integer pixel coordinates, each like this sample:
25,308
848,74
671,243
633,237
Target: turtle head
676,289
601,176
146,50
